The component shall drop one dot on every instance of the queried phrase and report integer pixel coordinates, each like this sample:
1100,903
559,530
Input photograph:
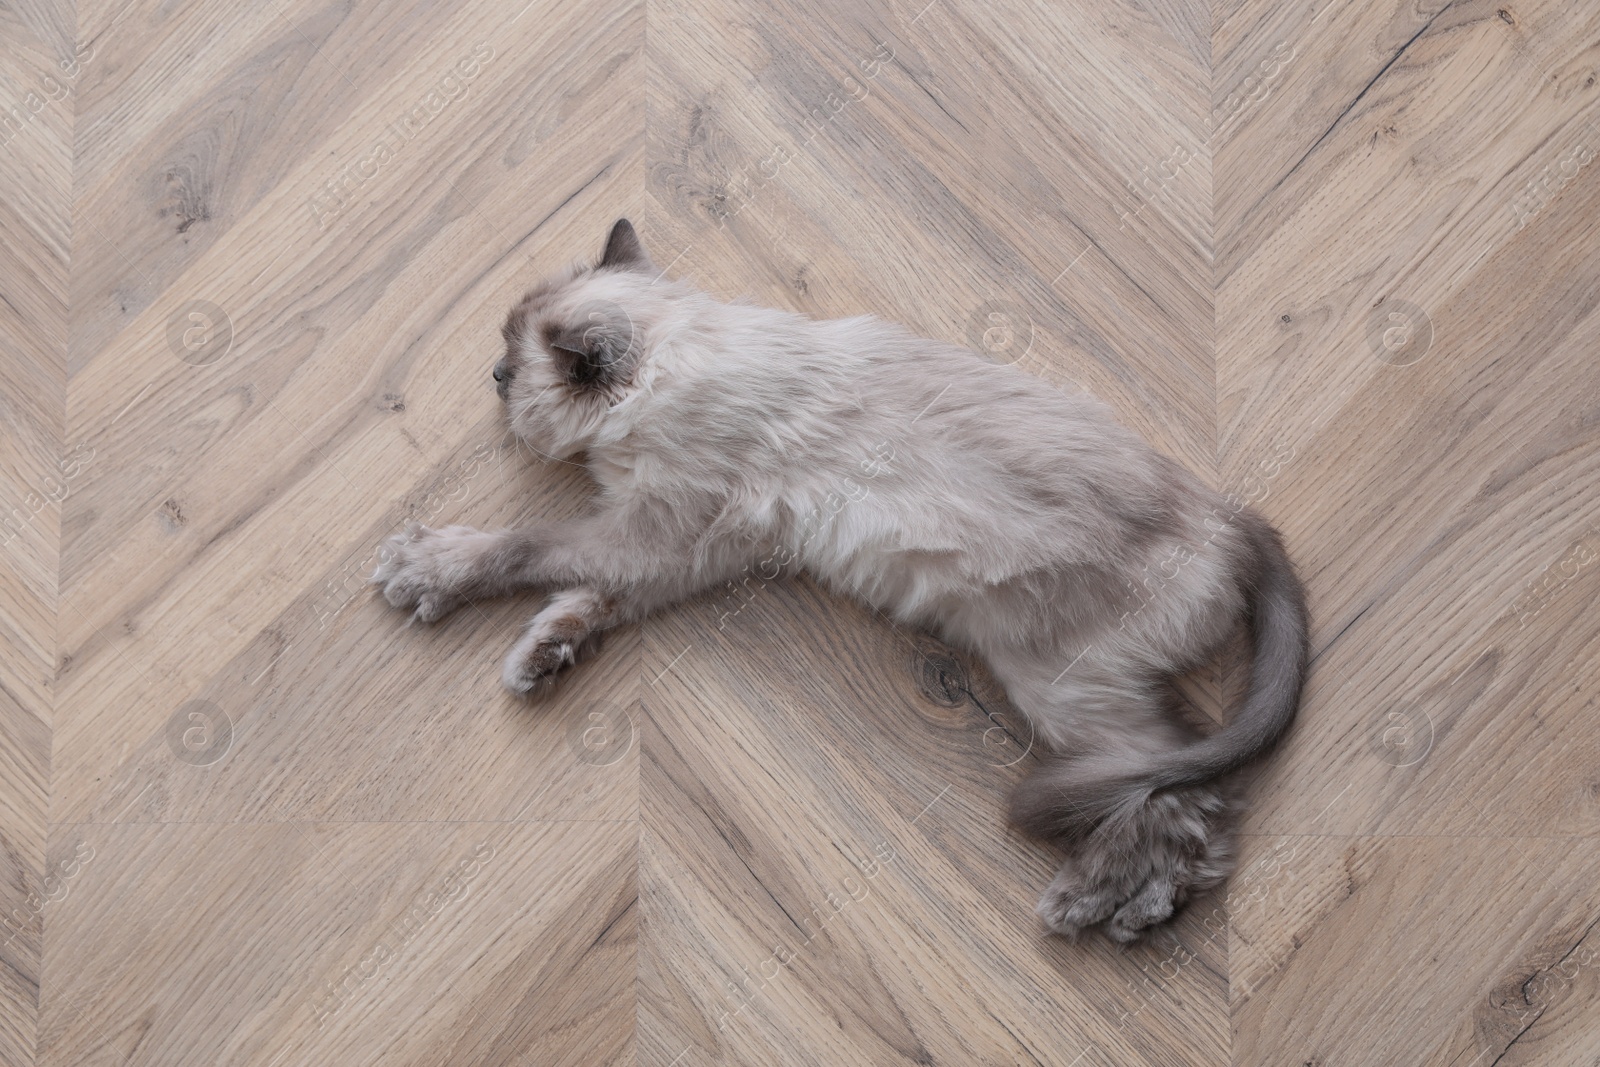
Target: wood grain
36,136
1341,258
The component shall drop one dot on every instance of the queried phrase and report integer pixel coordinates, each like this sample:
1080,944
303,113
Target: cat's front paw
557,637
429,570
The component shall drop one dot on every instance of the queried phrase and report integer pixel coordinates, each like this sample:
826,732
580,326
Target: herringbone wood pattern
1339,256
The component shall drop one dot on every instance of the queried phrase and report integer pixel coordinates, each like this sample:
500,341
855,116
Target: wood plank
39,72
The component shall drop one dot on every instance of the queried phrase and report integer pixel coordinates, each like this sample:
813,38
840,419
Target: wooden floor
1342,257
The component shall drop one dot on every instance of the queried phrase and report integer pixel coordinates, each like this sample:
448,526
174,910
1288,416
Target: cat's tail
1070,797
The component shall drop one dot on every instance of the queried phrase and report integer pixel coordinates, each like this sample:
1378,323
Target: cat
1017,521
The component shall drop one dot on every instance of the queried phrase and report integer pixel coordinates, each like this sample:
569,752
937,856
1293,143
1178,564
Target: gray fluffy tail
1070,797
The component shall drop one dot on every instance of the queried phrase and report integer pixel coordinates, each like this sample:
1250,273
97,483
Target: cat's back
946,395
786,408
975,454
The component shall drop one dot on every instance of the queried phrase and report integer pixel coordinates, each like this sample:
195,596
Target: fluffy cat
1017,521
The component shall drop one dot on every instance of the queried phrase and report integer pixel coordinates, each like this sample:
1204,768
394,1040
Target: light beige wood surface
1339,256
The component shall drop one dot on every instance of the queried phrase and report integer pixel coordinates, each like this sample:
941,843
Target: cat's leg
564,631
436,571
1136,873
569,627
613,567
1134,870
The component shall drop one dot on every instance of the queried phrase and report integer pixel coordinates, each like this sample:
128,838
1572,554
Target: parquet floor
1340,256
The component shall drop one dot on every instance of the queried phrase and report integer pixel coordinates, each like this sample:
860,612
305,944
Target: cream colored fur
1017,521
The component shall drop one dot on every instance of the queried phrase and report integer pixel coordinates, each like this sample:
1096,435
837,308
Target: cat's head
574,345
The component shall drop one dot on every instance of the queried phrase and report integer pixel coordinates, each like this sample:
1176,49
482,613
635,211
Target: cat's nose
500,371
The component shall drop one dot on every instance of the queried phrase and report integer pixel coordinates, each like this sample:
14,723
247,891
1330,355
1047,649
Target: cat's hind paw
1134,876
1069,906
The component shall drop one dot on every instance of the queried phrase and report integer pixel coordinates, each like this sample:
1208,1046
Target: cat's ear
624,249
597,348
